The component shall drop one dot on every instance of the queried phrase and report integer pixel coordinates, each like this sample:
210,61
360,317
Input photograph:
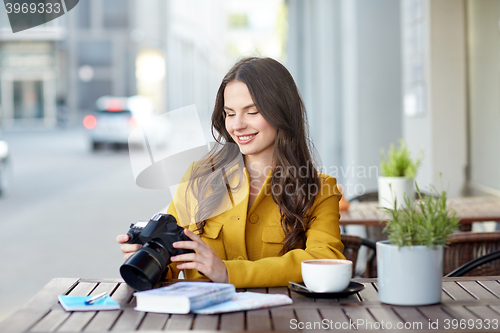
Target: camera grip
183,237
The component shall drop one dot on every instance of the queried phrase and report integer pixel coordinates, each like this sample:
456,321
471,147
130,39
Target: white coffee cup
326,275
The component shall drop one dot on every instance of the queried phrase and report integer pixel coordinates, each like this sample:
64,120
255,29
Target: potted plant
410,262
399,171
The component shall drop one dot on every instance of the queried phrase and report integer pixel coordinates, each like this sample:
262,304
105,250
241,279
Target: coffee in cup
326,275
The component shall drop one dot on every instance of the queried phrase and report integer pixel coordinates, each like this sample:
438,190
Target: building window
83,14
414,46
95,53
28,100
115,14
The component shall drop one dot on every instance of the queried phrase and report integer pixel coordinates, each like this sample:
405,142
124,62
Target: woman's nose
238,123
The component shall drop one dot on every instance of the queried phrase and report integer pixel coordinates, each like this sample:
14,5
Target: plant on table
399,170
410,262
428,222
398,161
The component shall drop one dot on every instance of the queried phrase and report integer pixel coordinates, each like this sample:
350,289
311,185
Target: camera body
161,228
144,269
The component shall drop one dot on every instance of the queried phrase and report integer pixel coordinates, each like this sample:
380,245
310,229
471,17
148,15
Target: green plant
427,222
398,162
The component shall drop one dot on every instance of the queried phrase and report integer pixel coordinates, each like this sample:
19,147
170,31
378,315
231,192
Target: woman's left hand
205,260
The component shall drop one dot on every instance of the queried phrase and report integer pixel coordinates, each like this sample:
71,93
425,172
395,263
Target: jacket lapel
234,219
264,191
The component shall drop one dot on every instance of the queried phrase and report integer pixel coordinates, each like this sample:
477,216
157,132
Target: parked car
5,169
115,118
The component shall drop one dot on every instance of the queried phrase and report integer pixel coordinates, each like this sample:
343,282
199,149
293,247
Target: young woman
288,212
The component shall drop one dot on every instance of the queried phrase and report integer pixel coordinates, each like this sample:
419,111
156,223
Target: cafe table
469,304
468,210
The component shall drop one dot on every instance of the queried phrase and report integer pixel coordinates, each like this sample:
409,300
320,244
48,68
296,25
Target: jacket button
254,218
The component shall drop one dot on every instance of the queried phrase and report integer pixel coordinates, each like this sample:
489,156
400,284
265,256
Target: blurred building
477,47
159,49
373,71
31,72
251,30
205,38
175,52
346,59
55,72
102,50
195,56
369,71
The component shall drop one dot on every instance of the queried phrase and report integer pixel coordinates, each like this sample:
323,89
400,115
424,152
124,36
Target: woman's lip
252,136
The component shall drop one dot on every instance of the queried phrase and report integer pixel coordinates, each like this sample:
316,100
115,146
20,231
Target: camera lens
143,270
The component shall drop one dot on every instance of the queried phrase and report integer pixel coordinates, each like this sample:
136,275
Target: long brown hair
277,98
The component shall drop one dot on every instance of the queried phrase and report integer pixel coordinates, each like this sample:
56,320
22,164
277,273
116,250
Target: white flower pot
394,188
409,275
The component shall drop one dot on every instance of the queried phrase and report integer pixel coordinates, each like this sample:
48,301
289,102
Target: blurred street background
64,212
369,71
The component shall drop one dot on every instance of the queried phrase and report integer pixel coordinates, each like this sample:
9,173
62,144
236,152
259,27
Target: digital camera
144,269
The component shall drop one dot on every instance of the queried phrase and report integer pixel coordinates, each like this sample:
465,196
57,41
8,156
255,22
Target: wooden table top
468,209
468,303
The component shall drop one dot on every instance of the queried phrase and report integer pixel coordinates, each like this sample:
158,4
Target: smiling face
246,125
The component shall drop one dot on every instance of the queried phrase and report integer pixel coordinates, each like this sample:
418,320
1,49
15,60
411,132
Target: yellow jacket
249,242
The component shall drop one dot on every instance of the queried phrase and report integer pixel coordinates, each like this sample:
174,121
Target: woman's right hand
127,249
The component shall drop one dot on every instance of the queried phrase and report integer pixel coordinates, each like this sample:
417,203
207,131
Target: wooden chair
351,248
473,264
352,244
468,246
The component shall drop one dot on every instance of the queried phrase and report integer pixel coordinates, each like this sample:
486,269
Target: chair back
467,246
351,248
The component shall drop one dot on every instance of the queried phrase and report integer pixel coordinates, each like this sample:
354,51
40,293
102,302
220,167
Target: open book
247,301
204,298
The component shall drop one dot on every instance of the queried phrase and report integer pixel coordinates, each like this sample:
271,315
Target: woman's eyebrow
246,107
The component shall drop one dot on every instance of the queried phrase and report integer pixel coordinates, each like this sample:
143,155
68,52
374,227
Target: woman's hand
127,249
205,260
